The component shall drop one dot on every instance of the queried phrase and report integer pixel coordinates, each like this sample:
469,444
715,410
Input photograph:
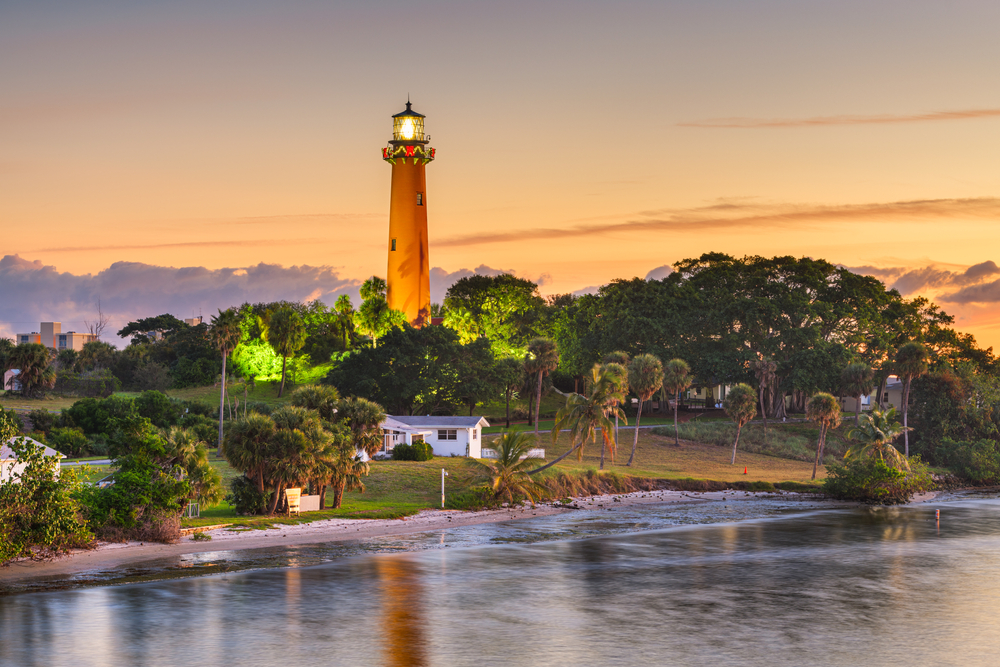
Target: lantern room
408,127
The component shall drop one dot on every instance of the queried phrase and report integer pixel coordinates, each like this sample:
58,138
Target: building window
420,199
394,244
475,434
447,434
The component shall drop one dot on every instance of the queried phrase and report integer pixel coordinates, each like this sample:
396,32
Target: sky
187,156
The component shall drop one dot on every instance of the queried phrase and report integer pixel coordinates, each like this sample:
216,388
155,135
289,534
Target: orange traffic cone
744,470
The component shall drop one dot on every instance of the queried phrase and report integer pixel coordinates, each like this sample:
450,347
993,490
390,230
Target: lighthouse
408,274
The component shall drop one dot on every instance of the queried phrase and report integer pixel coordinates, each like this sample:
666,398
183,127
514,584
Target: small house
447,436
10,468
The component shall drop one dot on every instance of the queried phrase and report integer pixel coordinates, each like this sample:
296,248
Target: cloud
33,292
982,293
928,278
742,215
822,121
659,273
186,244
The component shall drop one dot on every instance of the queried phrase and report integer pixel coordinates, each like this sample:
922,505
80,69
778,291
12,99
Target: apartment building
50,334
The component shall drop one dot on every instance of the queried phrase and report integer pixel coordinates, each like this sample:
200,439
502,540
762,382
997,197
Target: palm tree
618,358
645,376
585,414
286,333
619,375
248,447
34,361
225,333
741,406
874,434
824,409
344,310
911,362
676,378
509,474
542,357
765,370
364,419
323,398
189,454
508,372
856,380
374,317
345,470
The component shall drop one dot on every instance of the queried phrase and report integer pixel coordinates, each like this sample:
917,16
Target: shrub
42,420
975,462
868,479
245,498
159,408
418,451
12,419
39,515
69,441
93,383
474,499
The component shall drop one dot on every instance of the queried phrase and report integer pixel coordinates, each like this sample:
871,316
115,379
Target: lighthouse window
394,244
420,199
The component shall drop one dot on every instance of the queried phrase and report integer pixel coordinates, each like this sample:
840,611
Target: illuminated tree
542,357
286,334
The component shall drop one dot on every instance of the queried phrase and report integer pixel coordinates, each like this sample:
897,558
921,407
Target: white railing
536,453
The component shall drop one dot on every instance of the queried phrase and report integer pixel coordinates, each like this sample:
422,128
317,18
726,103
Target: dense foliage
872,480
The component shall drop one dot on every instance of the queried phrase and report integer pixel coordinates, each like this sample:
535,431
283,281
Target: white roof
438,422
7,454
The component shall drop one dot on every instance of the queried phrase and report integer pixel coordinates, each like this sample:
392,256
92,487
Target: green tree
856,380
375,318
344,310
542,357
363,418
34,361
911,362
161,324
824,409
619,373
225,333
509,474
740,405
249,448
286,334
584,415
620,359
501,308
676,378
764,370
645,377
508,372
874,435
324,399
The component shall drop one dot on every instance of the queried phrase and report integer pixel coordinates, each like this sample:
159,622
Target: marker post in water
443,474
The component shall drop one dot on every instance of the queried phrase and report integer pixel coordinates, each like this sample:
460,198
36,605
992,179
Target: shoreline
114,555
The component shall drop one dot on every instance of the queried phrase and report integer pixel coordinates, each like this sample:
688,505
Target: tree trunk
273,505
635,441
281,389
507,393
604,446
857,409
222,405
338,494
819,448
557,460
322,496
260,481
763,412
677,442
739,427
538,402
906,407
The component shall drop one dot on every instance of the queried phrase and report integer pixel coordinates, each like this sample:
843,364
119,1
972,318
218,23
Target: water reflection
841,587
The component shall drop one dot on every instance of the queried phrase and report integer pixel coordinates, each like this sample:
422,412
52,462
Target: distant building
193,321
9,466
50,335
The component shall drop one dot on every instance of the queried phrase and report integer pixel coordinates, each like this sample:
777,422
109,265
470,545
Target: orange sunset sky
156,156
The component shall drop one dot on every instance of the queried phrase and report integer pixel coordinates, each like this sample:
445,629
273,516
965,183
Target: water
800,586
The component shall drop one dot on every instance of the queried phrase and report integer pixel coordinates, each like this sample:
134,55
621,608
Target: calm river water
800,586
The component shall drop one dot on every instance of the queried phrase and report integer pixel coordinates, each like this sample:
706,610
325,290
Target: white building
447,436
9,466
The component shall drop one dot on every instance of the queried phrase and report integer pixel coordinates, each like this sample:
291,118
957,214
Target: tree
508,474
345,470
645,376
501,308
911,362
856,380
508,372
364,420
619,375
620,359
139,330
542,357
874,435
324,399
248,447
375,318
740,405
585,414
676,378
97,326
225,333
765,370
824,409
34,361
344,310
286,334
